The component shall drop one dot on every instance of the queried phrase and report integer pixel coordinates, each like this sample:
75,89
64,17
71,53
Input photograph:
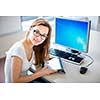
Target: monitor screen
73,34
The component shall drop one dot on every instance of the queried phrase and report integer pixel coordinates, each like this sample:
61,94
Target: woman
33,49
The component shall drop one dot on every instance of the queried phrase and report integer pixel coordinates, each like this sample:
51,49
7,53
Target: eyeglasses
37,33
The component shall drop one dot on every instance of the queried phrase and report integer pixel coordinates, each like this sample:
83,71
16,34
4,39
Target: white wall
10,32
95,21
9,24
98,26
7,40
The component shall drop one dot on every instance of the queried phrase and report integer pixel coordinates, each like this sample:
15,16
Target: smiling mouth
37,41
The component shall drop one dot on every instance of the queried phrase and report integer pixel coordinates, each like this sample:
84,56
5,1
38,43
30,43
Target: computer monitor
73,34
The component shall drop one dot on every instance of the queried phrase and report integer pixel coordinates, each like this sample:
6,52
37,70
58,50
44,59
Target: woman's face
38,34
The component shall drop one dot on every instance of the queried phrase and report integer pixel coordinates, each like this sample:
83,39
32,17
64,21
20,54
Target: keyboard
67,56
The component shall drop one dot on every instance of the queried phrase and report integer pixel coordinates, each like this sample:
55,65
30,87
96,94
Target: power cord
92,60
84,69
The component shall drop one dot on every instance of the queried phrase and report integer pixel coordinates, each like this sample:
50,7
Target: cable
92,60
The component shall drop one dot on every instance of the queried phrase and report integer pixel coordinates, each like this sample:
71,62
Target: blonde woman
33,49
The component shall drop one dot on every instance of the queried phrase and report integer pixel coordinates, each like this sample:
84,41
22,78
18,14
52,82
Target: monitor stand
75,52
75,57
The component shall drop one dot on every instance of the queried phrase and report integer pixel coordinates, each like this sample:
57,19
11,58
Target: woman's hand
46,71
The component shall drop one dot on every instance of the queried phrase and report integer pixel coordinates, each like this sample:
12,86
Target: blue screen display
72,33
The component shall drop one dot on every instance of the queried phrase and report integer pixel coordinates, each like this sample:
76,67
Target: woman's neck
28,43
28,48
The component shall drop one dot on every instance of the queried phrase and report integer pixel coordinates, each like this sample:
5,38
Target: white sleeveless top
17,50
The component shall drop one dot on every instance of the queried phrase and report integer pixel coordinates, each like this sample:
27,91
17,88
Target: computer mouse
83,70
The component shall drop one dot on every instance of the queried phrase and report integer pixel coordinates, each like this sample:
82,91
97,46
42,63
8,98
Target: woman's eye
34,30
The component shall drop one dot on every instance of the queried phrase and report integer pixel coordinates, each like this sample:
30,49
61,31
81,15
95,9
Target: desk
72,71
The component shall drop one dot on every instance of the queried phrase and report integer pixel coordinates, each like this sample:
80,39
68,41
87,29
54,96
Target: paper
54,63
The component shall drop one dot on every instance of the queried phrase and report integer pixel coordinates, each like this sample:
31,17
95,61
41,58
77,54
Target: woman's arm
16,72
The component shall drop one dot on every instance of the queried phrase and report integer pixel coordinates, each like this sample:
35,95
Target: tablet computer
55,64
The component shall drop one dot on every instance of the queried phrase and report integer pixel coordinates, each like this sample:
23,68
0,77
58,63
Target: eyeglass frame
37,33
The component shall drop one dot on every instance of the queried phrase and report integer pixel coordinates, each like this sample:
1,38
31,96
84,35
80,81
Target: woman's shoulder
17,45
17,48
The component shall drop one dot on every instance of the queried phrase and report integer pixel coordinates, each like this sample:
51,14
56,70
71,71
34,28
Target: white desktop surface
72,71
